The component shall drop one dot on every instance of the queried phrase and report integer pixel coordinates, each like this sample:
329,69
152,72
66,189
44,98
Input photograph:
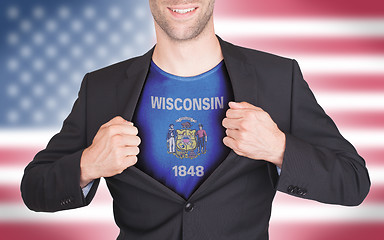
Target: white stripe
351,101
299,27
327,213
13,175
341,64
26,137
364,138
376,174
89,214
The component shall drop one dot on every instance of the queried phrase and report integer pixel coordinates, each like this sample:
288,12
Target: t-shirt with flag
179,121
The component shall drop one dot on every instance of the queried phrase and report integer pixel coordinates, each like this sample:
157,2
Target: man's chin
185,36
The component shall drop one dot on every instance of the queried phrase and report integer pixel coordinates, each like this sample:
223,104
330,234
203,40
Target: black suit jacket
235,201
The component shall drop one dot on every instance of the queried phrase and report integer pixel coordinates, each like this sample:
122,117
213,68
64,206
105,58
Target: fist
252,133
114,148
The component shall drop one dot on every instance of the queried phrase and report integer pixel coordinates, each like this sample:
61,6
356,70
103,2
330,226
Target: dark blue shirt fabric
179,121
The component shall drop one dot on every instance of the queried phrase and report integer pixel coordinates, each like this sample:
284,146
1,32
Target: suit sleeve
51,182
319,163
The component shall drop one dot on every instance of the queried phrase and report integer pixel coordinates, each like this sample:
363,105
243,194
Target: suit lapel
129,89
242,74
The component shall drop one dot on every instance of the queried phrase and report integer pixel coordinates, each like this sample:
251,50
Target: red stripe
319,46
17,155
345,83
326,231
58,231
373,156
278,231
297,8
10,194
376,195
366,120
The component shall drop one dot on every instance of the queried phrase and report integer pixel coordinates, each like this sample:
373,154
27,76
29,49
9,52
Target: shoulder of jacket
116,69
257,56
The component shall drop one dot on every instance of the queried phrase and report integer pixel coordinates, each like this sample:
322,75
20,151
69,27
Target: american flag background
48,46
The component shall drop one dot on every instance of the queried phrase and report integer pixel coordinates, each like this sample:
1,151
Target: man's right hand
114,148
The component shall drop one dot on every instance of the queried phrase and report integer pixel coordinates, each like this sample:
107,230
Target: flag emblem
186,142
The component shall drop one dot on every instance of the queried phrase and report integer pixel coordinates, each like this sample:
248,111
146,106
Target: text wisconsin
187,104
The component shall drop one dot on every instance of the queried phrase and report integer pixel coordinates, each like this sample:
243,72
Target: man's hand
113,149
252,133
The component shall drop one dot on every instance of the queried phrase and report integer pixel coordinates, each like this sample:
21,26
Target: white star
38,38
13,38
38,12
25,51
64,12
25,77
51,25
13,12
140,13
50,103
13,90
114,12
51,51
127,25
89,38
25,103
38,64
51,77
102,25
63,38
63,90
76,25
63,64
38,116
89,64
38,90
76,51
13,64
25,25
13,116
89,12
101,51
114,38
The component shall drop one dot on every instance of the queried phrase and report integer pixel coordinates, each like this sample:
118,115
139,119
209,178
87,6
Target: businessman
266,133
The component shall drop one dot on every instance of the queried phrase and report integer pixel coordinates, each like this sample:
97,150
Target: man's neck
189,57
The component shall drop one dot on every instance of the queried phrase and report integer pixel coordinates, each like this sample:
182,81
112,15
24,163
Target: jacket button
189,207
291,189
302,192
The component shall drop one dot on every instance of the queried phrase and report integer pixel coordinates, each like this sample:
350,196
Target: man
202,138
171,138
273,123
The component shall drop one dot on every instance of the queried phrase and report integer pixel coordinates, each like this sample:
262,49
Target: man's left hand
252,133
